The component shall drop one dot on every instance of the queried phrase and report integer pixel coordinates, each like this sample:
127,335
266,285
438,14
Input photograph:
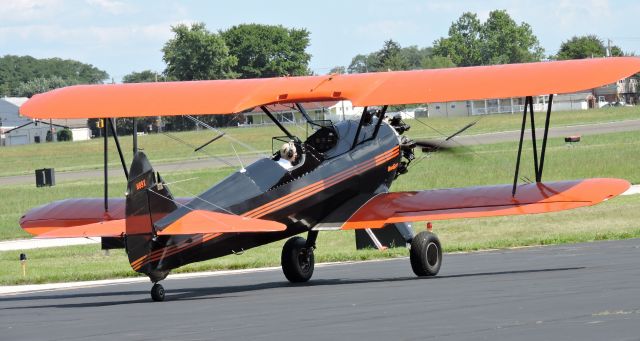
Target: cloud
385,29
576,12
29,10
111,6
89,36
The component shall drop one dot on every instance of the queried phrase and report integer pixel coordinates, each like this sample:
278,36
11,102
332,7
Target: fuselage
323,191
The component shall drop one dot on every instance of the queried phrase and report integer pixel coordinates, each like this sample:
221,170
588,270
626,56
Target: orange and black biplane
340,179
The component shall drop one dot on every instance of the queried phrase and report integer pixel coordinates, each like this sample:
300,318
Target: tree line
257,51
470,42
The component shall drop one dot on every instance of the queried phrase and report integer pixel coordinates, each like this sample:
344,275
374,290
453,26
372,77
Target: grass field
607,155
64,156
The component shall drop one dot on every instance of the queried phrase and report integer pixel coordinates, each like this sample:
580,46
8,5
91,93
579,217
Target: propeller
430,146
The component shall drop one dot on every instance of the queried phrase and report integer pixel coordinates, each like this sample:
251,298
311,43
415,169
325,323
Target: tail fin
148,200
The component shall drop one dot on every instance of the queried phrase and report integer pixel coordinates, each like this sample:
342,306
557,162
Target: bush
64,135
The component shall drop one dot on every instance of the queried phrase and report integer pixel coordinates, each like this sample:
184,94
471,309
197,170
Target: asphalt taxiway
574,292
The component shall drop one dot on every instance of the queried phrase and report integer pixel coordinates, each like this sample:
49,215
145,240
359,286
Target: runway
573,292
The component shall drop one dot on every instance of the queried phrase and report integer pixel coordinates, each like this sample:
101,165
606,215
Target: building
35,131
17,130
625,91
10,112
10,115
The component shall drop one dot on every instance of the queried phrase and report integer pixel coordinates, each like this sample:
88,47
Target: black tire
157,292
297,260
425,254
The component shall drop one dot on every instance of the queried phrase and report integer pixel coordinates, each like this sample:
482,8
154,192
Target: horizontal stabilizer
486,201
199,221
107,228
80,212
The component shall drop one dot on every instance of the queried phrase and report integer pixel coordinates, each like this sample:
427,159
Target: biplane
340,180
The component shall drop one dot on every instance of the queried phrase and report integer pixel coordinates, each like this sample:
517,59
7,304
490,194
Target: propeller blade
430,146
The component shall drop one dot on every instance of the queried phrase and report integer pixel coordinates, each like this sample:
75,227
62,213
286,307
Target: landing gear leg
297,258
157,292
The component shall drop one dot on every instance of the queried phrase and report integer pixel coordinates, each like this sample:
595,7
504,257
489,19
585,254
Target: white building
32,132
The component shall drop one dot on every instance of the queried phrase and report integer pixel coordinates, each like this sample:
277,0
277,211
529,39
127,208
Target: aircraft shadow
206,293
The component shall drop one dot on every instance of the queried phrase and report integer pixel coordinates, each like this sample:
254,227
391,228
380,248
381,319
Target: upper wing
366,89
474,202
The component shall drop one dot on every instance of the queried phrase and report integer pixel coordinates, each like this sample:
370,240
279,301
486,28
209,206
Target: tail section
148,200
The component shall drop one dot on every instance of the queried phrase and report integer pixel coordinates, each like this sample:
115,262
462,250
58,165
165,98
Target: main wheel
297,260
425,254
157,293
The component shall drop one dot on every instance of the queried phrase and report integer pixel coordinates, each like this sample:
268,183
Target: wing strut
528,106
105,133
266,111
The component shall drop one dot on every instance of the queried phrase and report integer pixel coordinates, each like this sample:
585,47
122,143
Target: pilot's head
288,151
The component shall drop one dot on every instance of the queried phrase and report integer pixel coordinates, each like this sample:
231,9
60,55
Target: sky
124,36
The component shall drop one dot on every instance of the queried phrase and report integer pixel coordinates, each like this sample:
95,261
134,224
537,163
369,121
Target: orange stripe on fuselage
320,185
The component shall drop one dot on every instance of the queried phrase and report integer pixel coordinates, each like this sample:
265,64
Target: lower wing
87,218
486,201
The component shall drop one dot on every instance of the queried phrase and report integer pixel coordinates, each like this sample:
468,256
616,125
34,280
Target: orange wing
107,228
474,202
400,87
194,222
199,221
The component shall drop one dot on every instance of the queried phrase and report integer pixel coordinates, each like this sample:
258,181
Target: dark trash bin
45,177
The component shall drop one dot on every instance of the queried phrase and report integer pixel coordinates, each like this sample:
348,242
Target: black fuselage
320,193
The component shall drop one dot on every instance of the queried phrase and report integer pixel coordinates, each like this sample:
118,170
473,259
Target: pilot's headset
288,150
291,150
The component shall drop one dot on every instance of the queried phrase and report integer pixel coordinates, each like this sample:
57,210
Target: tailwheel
425,254
157,292
297,260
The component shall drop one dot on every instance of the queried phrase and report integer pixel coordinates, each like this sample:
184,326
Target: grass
607,155
614,219
63,156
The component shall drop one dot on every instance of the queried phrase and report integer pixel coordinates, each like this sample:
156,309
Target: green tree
338,70
16,70
502,41
394,57
40,85
363,63
462,45
143,77
436,62
268,50
580,47
391,57
64,135
499,40
194,53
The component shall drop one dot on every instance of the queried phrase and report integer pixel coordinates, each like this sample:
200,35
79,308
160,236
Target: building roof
71,123
32,122
16,101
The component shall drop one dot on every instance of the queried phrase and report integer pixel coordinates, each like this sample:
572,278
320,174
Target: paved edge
11,290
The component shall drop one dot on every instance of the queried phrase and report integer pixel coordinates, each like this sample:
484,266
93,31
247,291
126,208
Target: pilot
288,154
